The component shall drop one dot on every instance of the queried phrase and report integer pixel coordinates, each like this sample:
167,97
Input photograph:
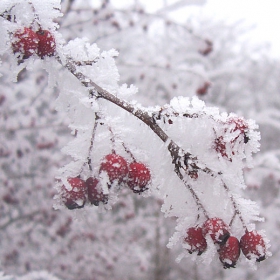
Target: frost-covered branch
179,157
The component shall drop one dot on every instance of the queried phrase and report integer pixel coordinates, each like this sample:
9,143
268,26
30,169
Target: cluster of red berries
27,42
135,175
251,243
238,124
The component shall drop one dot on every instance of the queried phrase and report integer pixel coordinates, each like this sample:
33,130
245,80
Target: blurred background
207,49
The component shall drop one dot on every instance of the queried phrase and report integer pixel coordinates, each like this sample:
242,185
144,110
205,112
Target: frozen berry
208,49
46,45
138,177
220,146
253,246
218,230
203,89
75,197
229,252
196,240
240,125
25,42
95,192
115,166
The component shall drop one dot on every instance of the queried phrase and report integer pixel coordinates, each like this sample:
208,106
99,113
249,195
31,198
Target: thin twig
236,210
27,216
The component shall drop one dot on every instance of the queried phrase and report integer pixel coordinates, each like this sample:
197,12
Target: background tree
129,241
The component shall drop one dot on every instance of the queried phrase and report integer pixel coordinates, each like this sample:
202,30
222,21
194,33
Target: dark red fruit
229,252
208,49
95,192
76,197
138,177
46,44
196,240
218,230
220,146
240,125
202,90
25,42
2,99
253,246
115,166
237,124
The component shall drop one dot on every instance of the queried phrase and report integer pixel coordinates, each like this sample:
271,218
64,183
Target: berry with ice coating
115,166
139,177
253,246
202,90
240,125
220,146
217,229
25,42
76,196
46,44
229,252
95,192
236,125
196,240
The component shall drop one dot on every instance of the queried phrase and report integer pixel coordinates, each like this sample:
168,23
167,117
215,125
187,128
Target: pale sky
264,14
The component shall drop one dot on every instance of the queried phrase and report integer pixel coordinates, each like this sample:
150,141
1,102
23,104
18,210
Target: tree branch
180,158
27,216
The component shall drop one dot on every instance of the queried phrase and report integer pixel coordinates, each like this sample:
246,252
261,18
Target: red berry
202,90
196,240
46,45
229,252
220,146
208,49
241,125
25,42
237,124
138,177
193,174
218,230
2,99
95,192
253,246
76,197
115,166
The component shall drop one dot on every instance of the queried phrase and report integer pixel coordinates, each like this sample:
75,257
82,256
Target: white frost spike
81,50
180,104
127,91
47,11
197,103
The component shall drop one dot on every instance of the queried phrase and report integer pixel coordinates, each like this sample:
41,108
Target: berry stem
193,193
113,139
236,210
128,152
91,141
91,144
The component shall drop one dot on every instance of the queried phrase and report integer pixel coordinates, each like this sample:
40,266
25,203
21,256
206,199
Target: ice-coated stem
236,210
